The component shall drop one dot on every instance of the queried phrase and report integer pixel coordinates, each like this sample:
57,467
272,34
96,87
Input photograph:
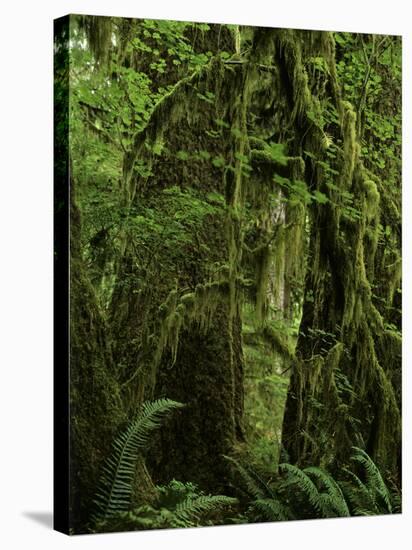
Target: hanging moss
174,323
96,408
99,35
179,312
263,263
320,411
280,343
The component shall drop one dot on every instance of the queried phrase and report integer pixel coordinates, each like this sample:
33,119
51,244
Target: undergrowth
313,492
176,504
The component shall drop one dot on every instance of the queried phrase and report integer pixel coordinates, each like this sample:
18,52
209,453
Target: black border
61,426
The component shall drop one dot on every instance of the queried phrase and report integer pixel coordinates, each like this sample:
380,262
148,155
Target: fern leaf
193,508
272,510
265,487
337,501
397,503
359,495
296,476
115,488
374,478
252,487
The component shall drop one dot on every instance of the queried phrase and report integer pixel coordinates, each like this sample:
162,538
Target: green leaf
320,197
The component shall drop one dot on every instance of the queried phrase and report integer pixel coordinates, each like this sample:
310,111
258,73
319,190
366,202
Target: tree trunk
341,391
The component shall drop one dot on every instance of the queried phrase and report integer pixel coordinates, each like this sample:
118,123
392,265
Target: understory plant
113,495
176,504
313,492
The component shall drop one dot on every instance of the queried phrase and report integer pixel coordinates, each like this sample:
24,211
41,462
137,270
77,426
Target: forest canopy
235,272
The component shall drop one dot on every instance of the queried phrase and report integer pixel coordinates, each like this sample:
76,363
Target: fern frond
252,487
396,503
265,487
194,508
175,491
272,510
374,478
115,487
336,500
359,495
296,476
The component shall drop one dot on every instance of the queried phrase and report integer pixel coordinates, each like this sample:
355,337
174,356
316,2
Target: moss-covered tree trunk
95,405
197,361
208,377
343,389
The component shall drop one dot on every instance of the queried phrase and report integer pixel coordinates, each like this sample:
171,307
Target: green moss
279,342
180,312
99,35
372,199
96,407
334,394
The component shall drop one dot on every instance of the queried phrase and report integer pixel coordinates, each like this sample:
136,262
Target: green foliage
264,503
370,496
168,229
177,504
317,489
268,152
221,193
297,192
115,487
313,492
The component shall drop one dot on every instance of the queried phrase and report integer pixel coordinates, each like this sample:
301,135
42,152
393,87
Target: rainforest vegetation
235,272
